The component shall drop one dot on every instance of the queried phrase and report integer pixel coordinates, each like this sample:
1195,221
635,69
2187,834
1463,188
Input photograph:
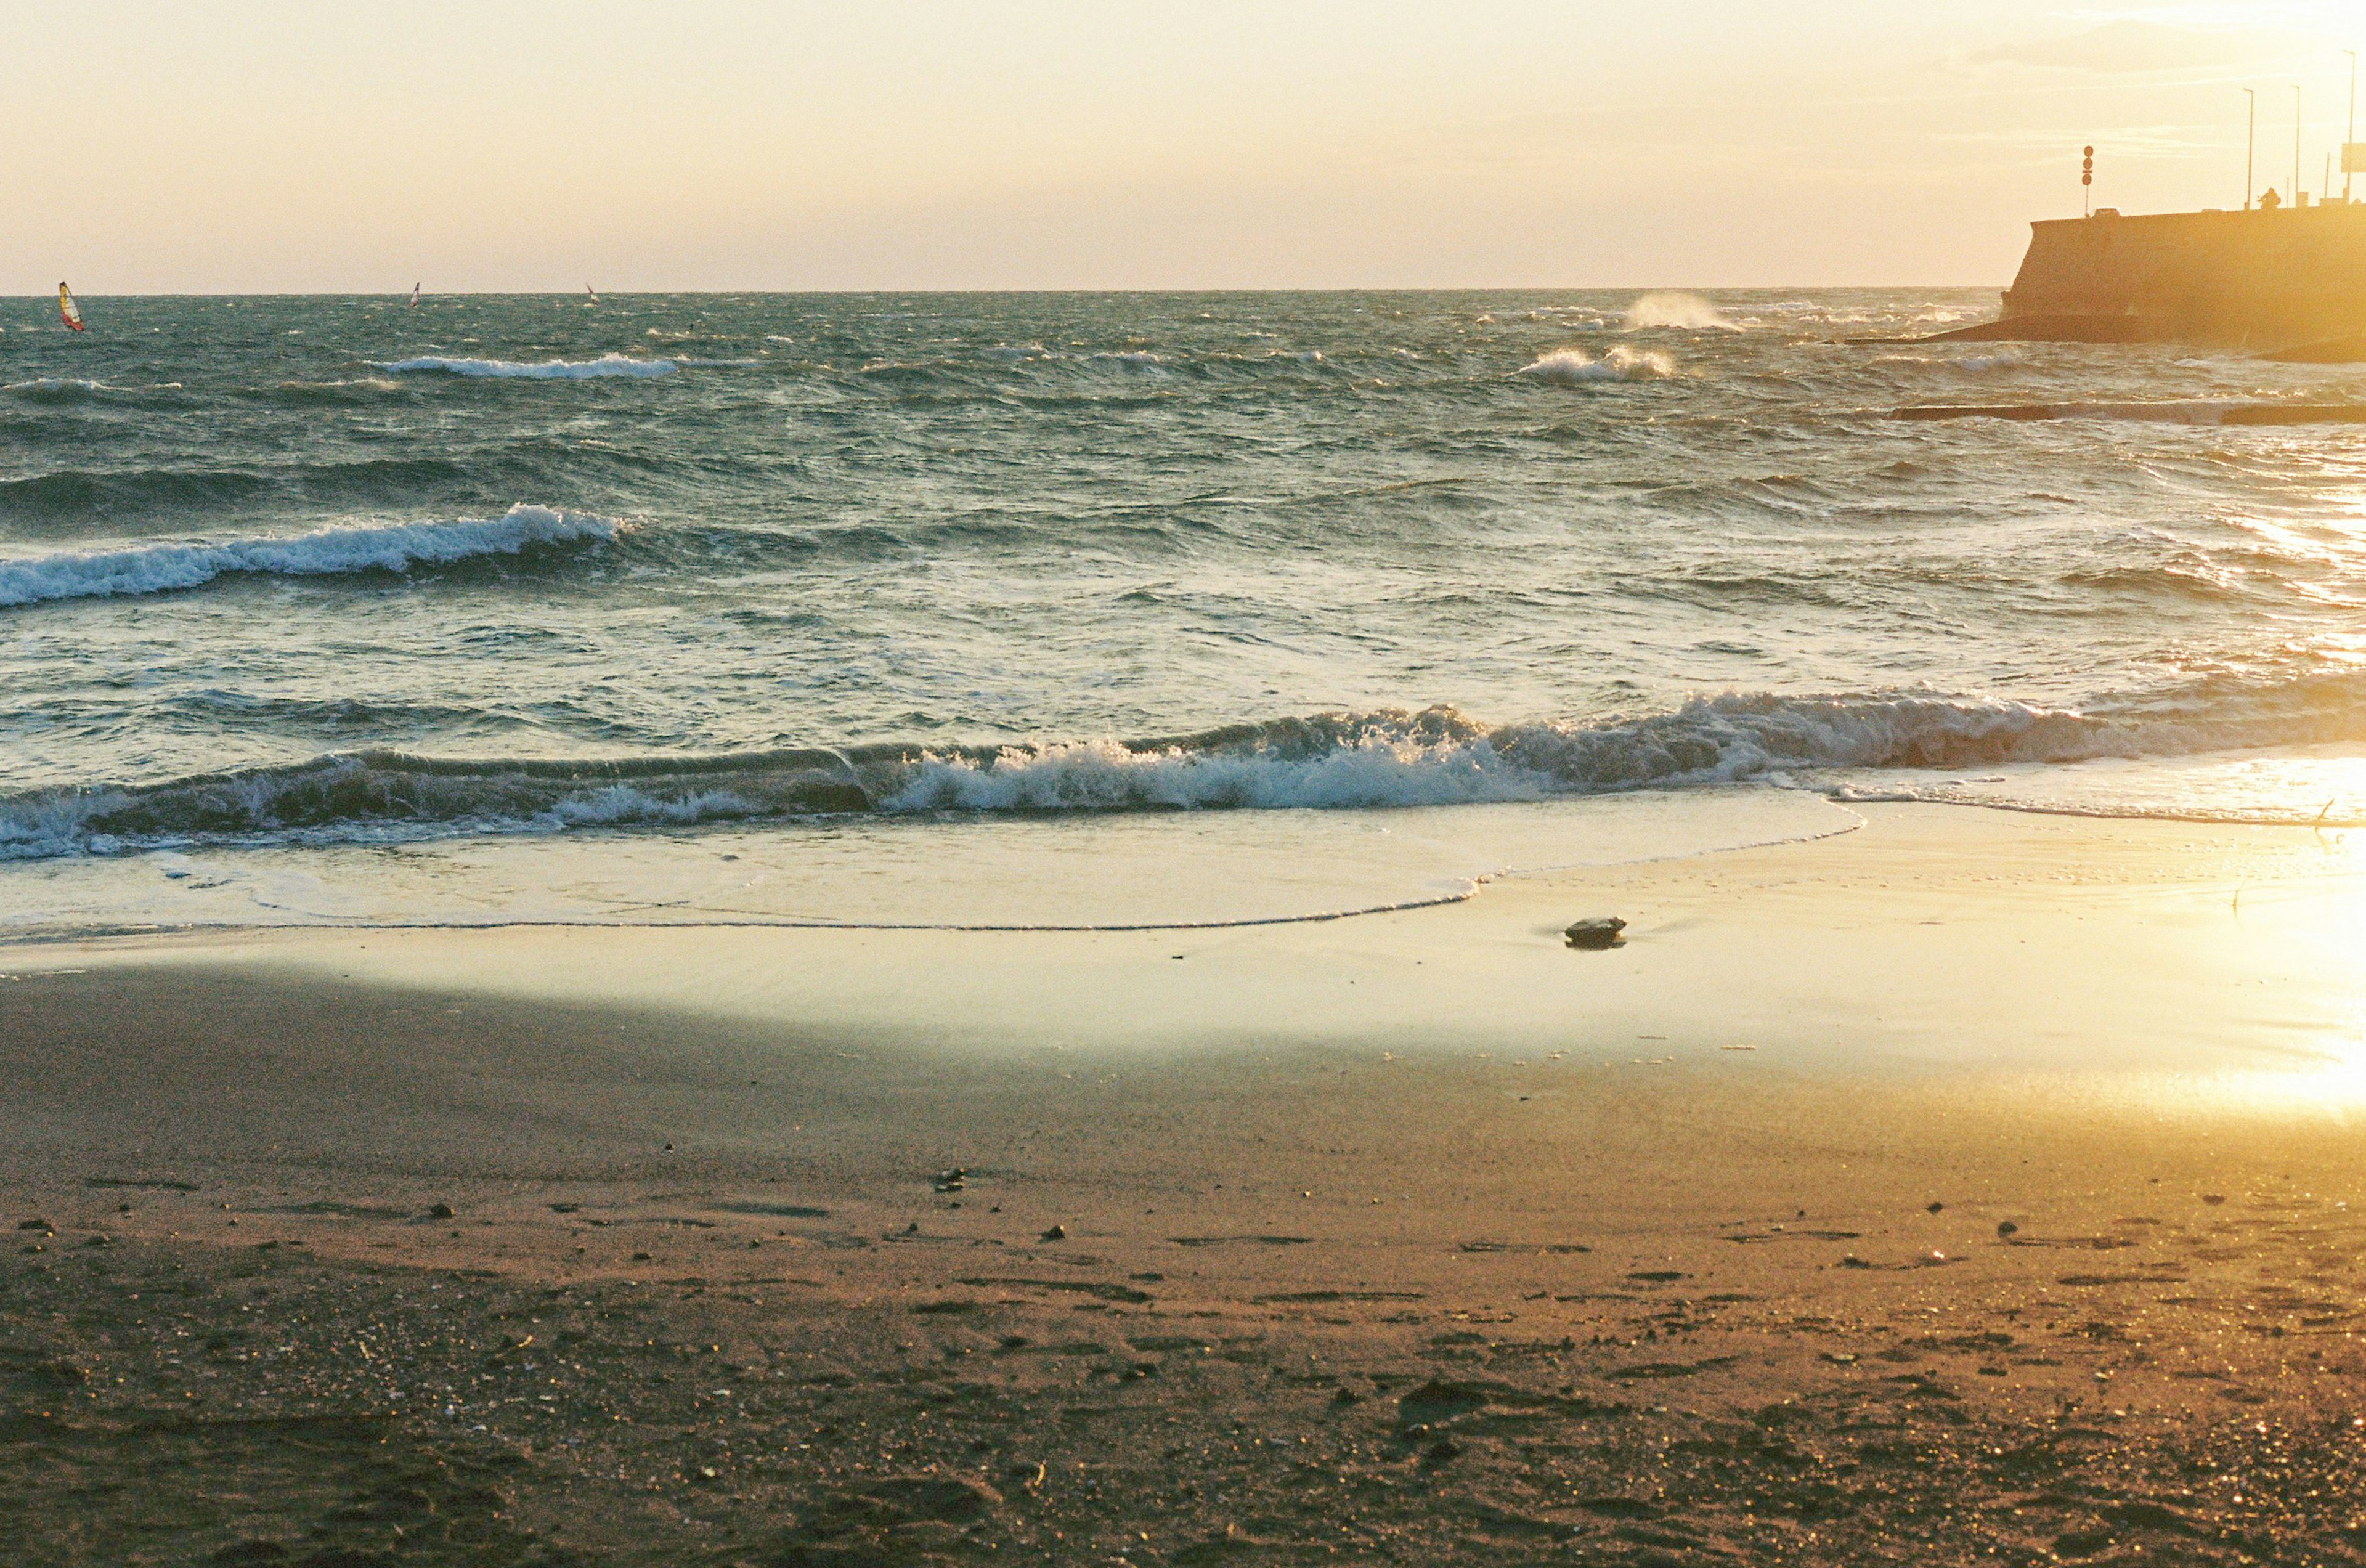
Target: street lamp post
2295,185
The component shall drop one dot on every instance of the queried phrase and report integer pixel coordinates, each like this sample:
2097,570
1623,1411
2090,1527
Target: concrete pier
2289,281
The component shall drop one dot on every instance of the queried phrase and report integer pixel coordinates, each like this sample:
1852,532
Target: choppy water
279,575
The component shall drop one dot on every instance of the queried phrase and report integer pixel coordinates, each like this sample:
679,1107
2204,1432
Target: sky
243,146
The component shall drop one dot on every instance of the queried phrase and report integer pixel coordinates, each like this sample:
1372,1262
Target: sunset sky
706,144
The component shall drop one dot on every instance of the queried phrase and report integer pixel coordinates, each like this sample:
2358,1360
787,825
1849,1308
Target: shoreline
2025,1232
1910,940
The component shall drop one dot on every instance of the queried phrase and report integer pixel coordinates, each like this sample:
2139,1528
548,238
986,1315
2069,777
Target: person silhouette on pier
2270,201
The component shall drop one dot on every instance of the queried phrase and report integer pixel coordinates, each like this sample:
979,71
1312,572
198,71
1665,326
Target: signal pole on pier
2351,139
2250,146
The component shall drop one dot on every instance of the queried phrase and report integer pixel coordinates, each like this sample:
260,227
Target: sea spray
1666,308
1575,367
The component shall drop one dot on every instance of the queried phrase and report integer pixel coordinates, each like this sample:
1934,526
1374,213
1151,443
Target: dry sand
2028,1231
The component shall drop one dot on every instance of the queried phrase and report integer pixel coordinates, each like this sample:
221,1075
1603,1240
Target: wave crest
396,547
545,370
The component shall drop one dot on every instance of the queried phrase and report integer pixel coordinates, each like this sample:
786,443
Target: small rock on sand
1597,932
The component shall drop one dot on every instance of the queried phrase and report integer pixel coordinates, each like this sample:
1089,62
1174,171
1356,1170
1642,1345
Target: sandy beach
1972,1187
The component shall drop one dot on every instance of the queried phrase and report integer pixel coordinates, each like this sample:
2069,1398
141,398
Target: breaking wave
394,547
1389,758
1575,367
545,370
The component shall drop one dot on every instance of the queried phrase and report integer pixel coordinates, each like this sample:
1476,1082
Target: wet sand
2022,1231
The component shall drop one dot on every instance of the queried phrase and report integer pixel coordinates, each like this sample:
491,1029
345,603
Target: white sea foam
1674,309
545,370
396,547
1575,367
1106,776
618,805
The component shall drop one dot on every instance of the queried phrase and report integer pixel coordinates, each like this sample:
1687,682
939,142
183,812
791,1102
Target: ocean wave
394,547
545,370
358,391
67,493
1383,758
78,389
71,499
1575,367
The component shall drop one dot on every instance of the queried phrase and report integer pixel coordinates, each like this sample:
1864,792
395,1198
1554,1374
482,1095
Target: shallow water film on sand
321,571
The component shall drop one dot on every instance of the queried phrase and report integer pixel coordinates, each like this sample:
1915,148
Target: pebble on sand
1597,932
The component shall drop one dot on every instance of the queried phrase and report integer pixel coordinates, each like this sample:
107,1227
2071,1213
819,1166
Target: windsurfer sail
68,311
588,290
414,295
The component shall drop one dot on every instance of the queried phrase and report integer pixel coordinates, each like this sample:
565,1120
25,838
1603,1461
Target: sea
1117,610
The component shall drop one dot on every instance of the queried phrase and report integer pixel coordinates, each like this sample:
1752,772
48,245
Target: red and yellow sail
68,311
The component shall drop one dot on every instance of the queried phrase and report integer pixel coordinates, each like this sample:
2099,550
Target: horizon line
49,294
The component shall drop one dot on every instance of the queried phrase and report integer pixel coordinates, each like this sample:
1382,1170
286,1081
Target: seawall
2263,280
